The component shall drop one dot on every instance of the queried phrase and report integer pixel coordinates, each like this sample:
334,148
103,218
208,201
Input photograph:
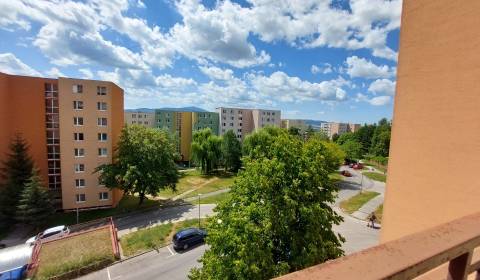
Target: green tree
35,204
364,136
231,151
143,162
352,149
335,137
278,217
206,150
16,171
295,131
346,137
381,139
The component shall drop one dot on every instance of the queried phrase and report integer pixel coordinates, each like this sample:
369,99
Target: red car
358,166
346,173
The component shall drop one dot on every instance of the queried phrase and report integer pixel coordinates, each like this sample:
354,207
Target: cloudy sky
330,60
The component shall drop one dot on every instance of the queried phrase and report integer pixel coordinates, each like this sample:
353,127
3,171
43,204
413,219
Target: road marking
108,274
171,252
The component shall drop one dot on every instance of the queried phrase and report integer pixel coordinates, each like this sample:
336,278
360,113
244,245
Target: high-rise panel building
71,127
244,121
140,117
332,128
183,124
289,123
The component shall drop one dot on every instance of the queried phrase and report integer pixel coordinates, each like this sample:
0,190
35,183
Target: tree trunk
142,198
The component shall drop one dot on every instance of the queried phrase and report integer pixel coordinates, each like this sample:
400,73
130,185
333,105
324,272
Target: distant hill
181,109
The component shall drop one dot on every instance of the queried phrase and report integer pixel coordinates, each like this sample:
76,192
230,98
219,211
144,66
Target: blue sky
318,59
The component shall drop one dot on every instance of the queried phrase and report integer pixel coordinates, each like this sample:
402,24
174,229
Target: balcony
449,251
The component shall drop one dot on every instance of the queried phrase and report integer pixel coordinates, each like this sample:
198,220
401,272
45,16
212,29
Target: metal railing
448,251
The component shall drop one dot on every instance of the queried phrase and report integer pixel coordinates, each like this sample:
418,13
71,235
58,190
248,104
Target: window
231,124
80,198
101,90
239,130
79,167
102,152
78,121
232,118
134,116
240,118
79,183
77,89
103,196
102,137
79,152
240,124
273,113
102,121
78,136
53,137
140,116
145,122
102,106
78,105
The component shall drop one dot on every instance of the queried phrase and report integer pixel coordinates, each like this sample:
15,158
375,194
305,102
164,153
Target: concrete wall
24,112
435,146
91,143
140,118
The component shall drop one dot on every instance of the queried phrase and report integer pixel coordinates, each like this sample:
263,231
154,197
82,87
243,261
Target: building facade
71,127
332,128
183,124
244,121
435,93
140,117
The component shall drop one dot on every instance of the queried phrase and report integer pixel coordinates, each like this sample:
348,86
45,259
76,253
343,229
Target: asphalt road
168,264
164,264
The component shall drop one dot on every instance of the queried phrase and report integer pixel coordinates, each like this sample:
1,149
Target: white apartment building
245,121
140,118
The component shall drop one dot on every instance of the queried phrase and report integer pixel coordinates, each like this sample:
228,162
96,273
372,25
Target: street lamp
199,210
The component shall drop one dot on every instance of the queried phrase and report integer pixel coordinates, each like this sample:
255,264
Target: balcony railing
448,251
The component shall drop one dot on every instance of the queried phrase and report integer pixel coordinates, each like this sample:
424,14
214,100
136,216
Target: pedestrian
371,220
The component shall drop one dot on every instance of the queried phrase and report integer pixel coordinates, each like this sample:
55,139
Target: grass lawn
192,179
335,177
376,176
379,213
355,202
126,205
154,237
214,199
75,252
219,184
145,239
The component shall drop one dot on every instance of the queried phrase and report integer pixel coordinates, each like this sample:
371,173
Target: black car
189,237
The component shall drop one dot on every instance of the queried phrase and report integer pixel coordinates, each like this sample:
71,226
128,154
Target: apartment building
71,126
332,128
244,121
183,125
140,118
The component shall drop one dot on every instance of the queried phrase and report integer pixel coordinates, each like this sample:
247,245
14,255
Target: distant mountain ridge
181,109
314,123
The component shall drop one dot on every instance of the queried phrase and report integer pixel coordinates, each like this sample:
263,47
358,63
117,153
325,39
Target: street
168,264
164,264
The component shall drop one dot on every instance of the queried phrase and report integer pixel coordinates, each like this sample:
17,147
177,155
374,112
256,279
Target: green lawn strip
357,201
219,184
126,205
187,181
214,199
145,239
379,213
154,237
335,177
73,253
376,176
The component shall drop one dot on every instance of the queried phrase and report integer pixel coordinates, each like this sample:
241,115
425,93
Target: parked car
358,166
189,237
346,173
49,234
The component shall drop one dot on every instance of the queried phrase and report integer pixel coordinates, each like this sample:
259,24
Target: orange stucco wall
435,147
117,116
23,111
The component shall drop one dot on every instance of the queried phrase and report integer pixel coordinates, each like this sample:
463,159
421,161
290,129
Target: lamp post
199,210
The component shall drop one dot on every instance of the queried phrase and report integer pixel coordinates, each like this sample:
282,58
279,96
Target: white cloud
216,73
375,101
54,72
10,64
363,68
382,86
325,68
87,73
